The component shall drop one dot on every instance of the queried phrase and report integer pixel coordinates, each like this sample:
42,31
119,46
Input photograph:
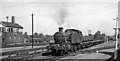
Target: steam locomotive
73,42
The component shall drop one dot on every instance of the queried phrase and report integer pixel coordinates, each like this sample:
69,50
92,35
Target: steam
61,14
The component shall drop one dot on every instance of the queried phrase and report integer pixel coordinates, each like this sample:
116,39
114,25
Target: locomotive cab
75,39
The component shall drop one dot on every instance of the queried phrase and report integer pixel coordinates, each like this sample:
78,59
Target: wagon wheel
79,47
82,46
75,49
54,53
62,52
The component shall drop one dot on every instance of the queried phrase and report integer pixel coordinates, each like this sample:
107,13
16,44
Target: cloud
59,0
48,16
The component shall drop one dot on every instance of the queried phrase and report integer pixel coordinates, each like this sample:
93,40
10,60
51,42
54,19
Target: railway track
78,52
84,51
27,54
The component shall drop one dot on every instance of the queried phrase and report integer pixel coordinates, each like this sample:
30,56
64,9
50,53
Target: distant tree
25,35
41,35
89,34
48,38
104,37
97,35
35,34
103,34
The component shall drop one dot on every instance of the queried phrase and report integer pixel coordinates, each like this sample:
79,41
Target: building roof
9,24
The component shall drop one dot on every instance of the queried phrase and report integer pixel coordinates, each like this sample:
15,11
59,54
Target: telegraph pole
32,31
116,42
89,32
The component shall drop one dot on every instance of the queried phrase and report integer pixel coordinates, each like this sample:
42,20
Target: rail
22,53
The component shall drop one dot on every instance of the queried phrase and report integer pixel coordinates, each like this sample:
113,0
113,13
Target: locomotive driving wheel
54,52
61,52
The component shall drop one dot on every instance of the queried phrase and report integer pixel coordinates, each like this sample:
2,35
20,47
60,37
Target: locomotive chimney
13,19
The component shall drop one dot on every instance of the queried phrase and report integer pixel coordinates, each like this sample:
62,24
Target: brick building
11,32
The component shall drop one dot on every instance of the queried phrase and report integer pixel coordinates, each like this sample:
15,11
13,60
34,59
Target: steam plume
61,14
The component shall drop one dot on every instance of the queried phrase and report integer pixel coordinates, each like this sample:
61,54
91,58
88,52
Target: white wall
1,25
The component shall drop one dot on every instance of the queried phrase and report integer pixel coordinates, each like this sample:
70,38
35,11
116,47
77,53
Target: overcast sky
84,15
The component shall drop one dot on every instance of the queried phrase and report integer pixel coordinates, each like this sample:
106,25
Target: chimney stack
13,19
7,18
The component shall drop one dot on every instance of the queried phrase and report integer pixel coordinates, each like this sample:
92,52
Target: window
14,29
10,29
3,29
17,30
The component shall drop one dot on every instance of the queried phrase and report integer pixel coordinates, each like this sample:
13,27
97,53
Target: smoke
61,14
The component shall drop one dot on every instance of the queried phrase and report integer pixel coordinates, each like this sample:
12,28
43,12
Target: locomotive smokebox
13,19
60,27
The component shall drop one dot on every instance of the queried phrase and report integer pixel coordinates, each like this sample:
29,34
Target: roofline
3,24
15,27
12,27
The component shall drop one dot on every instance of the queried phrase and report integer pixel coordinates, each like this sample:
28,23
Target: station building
10,32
